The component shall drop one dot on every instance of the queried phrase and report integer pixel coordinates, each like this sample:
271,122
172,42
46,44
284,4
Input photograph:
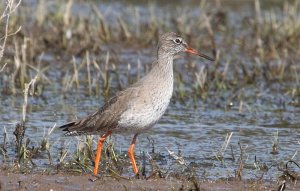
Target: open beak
193,51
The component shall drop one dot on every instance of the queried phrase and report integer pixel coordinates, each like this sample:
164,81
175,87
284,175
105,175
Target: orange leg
99,149
131,154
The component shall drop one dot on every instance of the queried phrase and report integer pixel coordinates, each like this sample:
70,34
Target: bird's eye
178,41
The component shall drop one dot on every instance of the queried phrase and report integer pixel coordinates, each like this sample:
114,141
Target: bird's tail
66,127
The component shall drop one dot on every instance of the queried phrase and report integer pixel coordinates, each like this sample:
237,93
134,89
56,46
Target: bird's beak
193,51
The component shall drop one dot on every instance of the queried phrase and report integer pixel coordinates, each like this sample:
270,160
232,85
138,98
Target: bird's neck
165,64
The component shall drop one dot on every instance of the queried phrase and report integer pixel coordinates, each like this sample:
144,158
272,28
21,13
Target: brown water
193,128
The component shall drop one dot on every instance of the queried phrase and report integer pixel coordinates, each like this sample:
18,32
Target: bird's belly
138,120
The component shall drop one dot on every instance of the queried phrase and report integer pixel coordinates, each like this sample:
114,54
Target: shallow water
195,129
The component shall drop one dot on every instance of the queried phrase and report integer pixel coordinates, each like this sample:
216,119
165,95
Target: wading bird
138,107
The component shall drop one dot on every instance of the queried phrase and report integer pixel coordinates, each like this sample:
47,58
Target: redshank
138,107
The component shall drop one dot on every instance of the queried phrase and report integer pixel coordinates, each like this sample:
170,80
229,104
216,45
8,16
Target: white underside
137,121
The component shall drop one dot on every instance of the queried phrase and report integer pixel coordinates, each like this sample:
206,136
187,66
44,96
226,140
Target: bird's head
172,44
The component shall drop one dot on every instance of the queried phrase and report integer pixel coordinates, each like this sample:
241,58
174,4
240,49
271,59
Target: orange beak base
193,51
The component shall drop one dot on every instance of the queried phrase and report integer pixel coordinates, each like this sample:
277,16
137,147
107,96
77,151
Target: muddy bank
13,181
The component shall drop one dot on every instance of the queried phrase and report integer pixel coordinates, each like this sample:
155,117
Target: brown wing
105,119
